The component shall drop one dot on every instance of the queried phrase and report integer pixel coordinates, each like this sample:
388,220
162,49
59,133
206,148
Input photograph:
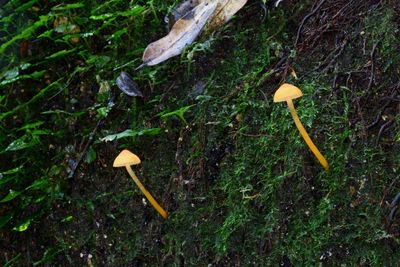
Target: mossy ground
241,187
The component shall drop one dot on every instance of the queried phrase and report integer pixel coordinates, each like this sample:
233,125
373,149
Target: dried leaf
188,20
225,11
222,14
181,10
183,33
127,85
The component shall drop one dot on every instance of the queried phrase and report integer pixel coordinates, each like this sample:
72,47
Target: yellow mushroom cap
287,91
126,158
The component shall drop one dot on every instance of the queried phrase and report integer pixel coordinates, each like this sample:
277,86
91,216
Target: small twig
265,97
364,130
387,190
251,135
364,46
307,17
375,122
382,130
178,157
341,10
334,82
348,80
336,56
383,108
85,149
372,76
100,122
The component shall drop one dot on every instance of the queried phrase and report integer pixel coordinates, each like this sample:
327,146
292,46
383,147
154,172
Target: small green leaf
41,132
31,125
61,53
46,34
12,171
90,156
117,35
67,219
40,199
12,261
42,93
180,113
27,32
20,143
4,180
11,195
5,177
17,145
23,226
58,112
39,184
47,257
99,61
103,111
10,74
135,11
35,75
102,16
25,6
131,133
54,170
69,6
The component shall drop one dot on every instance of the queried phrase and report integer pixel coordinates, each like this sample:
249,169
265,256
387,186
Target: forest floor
239,183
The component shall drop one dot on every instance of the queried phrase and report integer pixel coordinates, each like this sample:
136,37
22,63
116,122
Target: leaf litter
192,17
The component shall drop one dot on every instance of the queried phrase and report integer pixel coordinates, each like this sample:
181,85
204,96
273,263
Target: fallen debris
127,85
191,18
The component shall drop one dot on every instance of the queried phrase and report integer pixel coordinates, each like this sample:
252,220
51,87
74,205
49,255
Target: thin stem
306,137
153,202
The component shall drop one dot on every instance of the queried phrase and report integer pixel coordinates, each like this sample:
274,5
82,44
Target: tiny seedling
287,92
126,159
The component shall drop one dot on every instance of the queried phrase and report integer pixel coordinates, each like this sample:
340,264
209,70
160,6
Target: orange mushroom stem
288,92
126,159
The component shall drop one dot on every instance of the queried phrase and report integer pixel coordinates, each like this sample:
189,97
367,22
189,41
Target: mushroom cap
287,91
126,158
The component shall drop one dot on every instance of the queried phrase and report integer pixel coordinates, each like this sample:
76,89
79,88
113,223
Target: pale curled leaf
127,85
183,33
224,12
181,10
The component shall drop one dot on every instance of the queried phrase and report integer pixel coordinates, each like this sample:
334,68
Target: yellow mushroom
287,92
126,159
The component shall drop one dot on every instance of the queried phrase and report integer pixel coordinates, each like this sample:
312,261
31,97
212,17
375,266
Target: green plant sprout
178,113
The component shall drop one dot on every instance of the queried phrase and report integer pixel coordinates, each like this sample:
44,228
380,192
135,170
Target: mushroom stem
153,202
305,136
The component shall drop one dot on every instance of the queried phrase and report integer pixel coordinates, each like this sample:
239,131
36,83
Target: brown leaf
225,11
183,33
181,10
222,14
191,17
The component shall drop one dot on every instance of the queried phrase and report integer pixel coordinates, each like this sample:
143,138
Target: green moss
228,164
